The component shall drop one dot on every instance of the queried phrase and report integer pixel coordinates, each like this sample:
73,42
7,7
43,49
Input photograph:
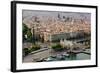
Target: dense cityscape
54,38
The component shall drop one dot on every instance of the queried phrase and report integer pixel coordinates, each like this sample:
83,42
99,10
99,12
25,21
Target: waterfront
46,55
79,56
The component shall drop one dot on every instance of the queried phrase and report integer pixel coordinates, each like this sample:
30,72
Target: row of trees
28,37
26,51
35,47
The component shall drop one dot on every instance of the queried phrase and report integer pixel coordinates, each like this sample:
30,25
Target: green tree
57,47
26,51
29,35
35,47
27,32
25,28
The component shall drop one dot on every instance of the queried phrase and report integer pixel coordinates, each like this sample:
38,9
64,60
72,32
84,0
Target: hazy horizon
27,14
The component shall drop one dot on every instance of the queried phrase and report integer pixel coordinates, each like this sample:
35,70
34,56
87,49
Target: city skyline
27,14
